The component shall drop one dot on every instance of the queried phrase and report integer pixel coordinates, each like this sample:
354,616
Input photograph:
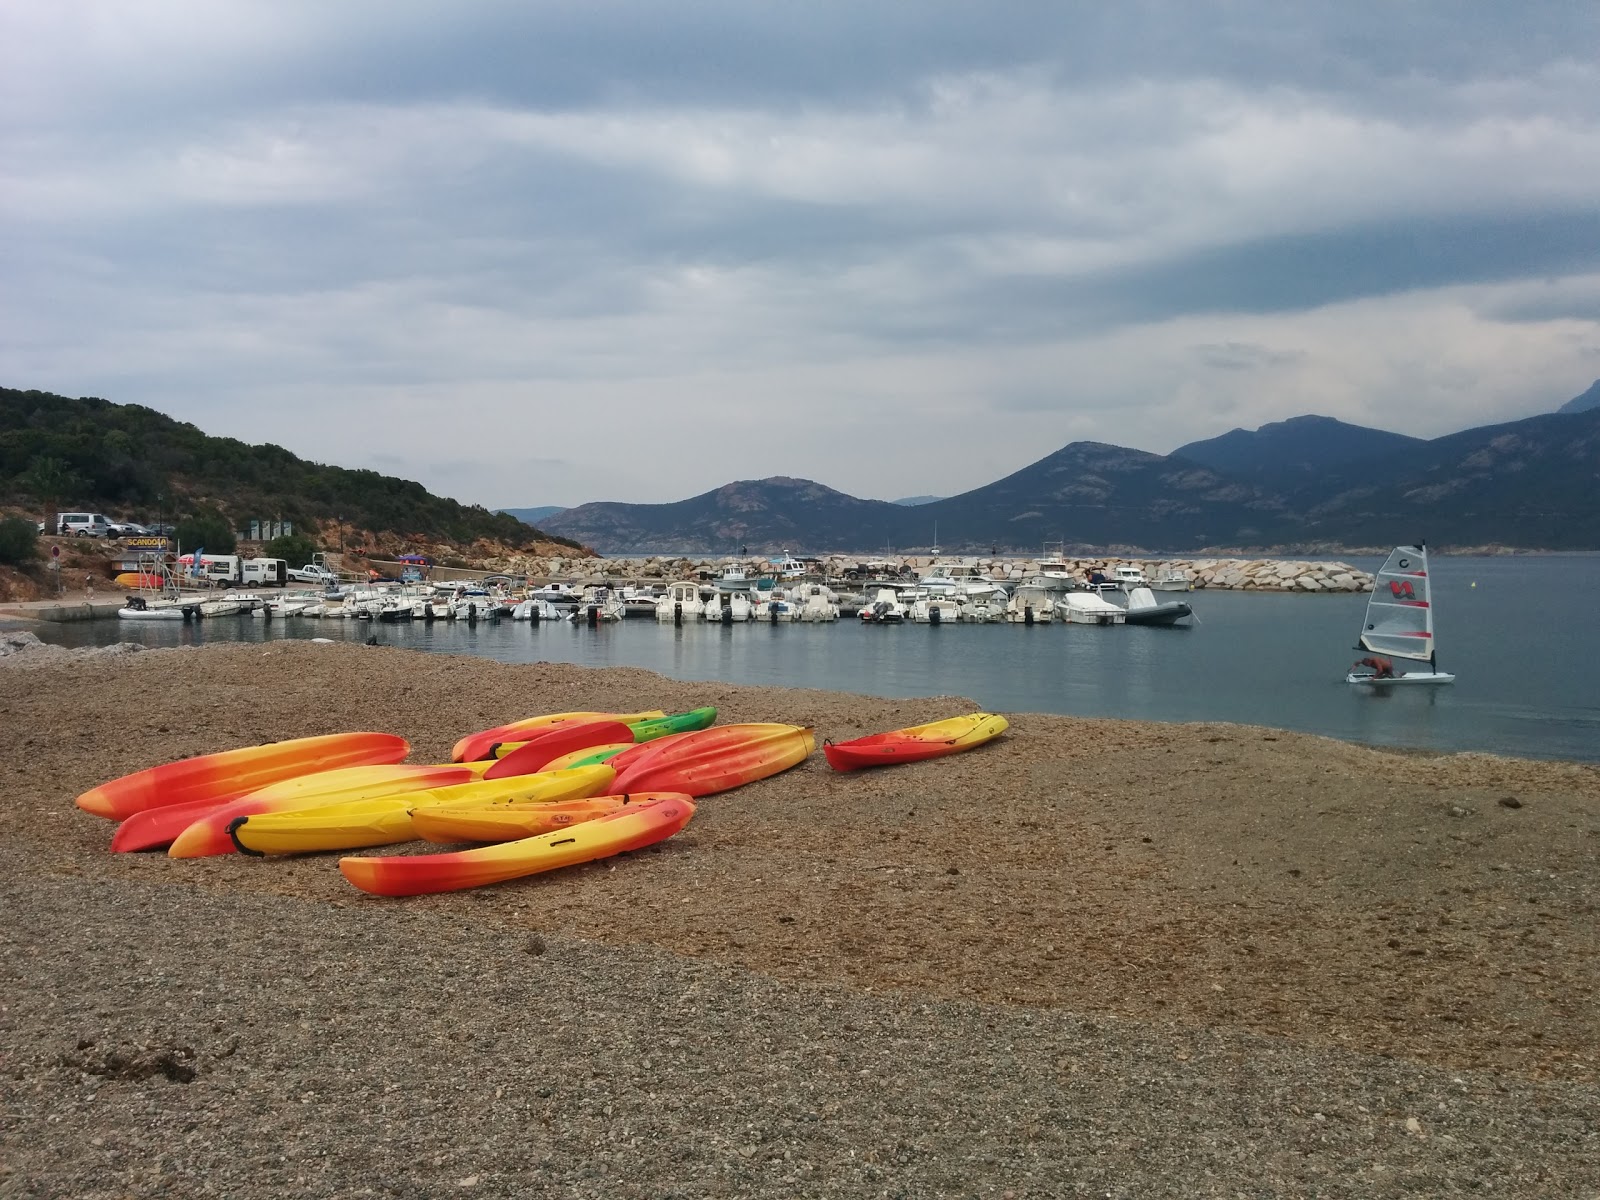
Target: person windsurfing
1382,668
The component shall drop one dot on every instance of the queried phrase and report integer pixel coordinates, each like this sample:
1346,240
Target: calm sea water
1519,632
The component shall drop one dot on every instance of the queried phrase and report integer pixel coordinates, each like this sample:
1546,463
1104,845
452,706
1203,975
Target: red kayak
934,740
234,773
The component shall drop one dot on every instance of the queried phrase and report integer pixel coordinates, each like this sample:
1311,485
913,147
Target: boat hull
1409,679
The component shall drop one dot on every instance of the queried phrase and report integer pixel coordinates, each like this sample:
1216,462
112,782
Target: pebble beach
1095,957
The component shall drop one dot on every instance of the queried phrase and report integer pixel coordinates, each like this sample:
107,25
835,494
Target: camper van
264,572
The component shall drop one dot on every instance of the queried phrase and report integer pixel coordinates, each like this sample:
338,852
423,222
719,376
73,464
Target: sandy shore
1097,957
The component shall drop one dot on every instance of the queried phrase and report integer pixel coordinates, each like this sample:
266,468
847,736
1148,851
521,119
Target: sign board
145,545
55,552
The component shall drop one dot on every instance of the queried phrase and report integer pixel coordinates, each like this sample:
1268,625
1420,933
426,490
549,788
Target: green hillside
131,461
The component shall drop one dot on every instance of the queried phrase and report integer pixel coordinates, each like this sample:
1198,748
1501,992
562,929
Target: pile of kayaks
544,792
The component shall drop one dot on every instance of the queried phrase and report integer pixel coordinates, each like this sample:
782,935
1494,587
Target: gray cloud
564,249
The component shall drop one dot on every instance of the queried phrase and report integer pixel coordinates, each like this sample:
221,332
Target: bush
206,531
19,541
296,549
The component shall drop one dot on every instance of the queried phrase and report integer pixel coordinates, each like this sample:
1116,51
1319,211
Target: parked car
121,529
313,573
82,525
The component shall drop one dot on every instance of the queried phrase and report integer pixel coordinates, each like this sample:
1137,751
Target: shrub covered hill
131,461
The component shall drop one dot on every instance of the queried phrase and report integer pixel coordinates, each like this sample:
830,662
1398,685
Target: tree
19,541
296,549
206,530
47,481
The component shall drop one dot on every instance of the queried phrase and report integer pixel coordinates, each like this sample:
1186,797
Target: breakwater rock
1232,574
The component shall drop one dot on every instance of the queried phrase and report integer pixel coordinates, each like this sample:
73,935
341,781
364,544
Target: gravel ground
1096,958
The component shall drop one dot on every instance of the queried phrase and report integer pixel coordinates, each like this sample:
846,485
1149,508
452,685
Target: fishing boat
1399,624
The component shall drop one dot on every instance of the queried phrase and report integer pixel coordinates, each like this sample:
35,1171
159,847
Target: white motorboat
1399,624
818,603
959,581
680,603
1127,576
1030,604
137,608
1090,608
935,610
1145,609
786,567
734,578
599,605
728,607
773,607
1172,580
884,608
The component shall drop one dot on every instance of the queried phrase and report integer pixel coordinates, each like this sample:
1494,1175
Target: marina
1253,657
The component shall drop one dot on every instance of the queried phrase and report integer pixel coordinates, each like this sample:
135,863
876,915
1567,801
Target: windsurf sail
1399,621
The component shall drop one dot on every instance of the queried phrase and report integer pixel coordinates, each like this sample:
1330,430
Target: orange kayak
933,740
634,827
207,832
481,744
233,773
711,760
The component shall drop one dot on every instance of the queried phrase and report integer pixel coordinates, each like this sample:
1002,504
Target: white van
222,569
264,572
82,525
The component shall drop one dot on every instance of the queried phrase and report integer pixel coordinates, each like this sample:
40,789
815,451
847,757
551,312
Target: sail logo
1402,589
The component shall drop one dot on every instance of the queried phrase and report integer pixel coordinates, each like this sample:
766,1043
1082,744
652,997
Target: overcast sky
532,253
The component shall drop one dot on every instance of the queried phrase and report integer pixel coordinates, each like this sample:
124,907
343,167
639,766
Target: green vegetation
130,460
207,530
296,549
19,541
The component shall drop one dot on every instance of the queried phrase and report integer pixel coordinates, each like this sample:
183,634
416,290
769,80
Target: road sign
55,551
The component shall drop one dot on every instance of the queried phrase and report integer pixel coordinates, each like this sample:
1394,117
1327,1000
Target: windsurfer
1382,668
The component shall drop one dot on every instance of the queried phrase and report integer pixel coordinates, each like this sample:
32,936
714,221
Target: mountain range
1307,484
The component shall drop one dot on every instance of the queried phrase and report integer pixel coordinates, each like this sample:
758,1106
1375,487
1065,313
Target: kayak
387,819
481,744
636,826
712,760
207,832
934,740
507,822
536,753
230,774
159,826
586,758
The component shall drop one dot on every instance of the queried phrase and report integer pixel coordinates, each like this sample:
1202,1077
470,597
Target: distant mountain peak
1583,403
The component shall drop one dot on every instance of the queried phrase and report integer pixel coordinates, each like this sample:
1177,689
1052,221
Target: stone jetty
1229,574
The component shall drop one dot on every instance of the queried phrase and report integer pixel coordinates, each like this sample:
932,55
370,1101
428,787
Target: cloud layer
555,253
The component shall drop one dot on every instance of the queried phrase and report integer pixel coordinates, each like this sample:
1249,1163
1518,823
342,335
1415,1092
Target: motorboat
786,567
818,602
680,603
1127,576
775,606
1030,604
734,578
1090,608
1171,580
728,608
598,606
639,601
1399,624
935,610
884,608
1145,609
958,581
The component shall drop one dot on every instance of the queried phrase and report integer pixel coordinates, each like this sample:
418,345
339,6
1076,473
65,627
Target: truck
266,571
314,573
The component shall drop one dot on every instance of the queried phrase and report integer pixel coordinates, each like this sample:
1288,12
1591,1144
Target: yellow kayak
387,819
